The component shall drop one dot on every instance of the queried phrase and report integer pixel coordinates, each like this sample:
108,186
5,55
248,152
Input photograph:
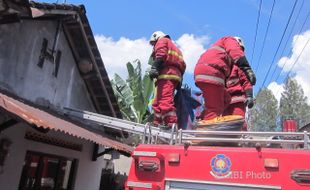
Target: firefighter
168,68
214,67
241,92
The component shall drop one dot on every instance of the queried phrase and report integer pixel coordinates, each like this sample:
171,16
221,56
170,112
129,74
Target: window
47,172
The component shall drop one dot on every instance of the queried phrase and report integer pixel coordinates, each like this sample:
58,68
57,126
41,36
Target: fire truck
212,160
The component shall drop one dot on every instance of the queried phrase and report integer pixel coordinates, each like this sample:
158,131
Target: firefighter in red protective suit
241,93
168,68
214,67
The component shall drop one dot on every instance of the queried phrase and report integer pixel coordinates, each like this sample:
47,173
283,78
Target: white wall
88,172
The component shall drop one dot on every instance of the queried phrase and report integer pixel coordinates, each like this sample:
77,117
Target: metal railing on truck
153,135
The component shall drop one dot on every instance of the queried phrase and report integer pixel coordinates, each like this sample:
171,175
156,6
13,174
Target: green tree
263,116
134,93
293,103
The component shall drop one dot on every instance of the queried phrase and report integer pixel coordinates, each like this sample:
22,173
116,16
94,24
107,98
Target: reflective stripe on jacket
174,65
219,58
237,99
169,77
209,78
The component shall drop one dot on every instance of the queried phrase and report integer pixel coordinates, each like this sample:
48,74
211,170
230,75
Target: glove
251,76
179,86
249,98
151,60
154,72
243,64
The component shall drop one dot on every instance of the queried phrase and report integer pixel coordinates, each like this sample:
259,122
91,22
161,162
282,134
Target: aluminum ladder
151,134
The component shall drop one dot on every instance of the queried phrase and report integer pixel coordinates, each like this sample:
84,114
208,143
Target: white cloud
304,82
276,89
116,53
192,47
299,42
301,68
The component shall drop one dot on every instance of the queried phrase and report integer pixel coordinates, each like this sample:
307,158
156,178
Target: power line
295,62
265,36
295,21
297,58
302,27
279,44
257,23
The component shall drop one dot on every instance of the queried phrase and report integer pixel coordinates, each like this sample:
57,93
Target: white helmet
240,41
156,35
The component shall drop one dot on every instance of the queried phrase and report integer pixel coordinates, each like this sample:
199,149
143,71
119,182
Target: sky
122,29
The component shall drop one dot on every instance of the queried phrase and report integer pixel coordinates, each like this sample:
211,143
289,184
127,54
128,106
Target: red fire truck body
250,165
177,167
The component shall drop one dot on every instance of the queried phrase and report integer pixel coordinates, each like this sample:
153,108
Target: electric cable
289,36
257,23
266,76
302,27
265,36
295,63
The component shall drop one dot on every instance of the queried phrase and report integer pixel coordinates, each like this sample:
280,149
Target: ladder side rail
151,131
101,119
118,124
193,132
141,129
238,140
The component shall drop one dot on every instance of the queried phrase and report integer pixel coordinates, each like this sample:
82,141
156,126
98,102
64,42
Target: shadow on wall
5,144
46,103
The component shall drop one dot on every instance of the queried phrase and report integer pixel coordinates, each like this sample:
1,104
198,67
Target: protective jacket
236,85
215,64
173,64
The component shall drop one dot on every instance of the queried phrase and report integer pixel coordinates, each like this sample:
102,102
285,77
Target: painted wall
20,48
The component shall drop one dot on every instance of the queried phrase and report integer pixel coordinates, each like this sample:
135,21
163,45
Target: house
49,61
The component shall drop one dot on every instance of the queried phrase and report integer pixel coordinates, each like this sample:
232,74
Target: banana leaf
135,84
124,90
148,89
133,95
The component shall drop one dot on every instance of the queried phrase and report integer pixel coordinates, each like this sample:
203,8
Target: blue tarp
189,106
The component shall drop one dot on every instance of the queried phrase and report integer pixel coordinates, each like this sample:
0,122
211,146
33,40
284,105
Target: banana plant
134,93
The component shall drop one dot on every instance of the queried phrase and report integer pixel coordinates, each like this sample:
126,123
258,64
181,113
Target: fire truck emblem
220,165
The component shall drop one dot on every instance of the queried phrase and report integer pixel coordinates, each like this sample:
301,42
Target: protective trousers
215,99
238,108
163,104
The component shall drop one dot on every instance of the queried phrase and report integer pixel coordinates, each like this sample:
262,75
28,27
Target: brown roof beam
96,68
